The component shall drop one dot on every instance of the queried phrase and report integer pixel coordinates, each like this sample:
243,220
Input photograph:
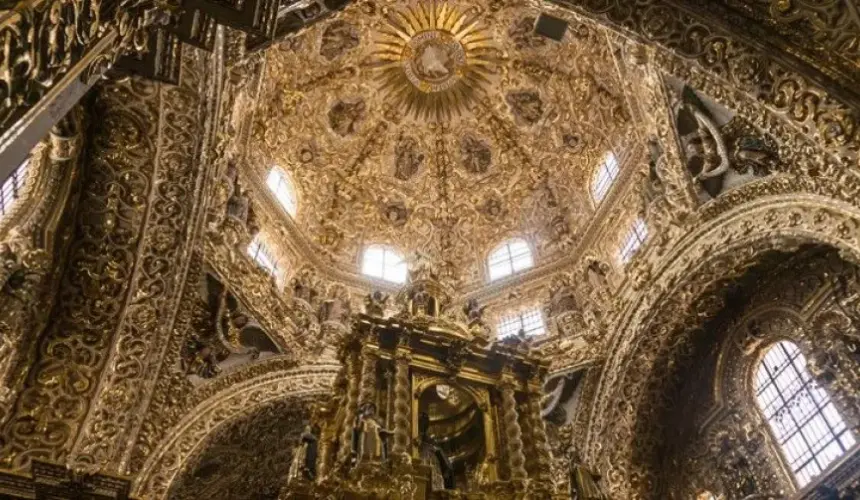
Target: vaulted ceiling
442,128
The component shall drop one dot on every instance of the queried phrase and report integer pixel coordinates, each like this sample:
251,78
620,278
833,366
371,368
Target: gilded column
367,393
540,443
401,405
351,406
325,452
516,457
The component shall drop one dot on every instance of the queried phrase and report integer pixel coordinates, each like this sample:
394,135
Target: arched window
263,256
384,263
804,421
706,495
508,258
529,321
12,188
636,236
281,186
604,176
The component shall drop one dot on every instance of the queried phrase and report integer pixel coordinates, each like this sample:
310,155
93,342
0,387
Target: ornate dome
442,128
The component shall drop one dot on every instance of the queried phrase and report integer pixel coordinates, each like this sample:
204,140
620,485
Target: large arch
651,323
173,453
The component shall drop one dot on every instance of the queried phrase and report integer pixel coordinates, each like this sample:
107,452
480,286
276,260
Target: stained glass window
636,236
12,188
529,321
283,190
384,263
804,421
508,258
605,175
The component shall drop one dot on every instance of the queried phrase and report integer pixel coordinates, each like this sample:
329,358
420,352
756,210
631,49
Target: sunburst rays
434,57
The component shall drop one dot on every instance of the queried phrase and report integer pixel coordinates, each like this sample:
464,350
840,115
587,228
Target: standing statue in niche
441,470
370,438
304,462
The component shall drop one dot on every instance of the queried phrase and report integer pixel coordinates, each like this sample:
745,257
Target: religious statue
304,462
474,313
371,439
335,308
304,286
421,301
441,470
309,445
374,304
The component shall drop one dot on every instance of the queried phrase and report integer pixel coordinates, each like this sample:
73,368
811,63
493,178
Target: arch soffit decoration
172,455
804,218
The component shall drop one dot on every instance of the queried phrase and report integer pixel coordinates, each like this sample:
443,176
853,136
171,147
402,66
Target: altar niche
425,409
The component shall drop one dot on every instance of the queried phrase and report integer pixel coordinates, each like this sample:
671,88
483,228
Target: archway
658,314
237,401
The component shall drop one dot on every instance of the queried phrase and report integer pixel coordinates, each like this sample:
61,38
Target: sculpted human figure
372,439
374,304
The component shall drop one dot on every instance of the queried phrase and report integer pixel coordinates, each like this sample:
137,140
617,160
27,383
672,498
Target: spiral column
516,457
539,440
367,393
402,406
352,380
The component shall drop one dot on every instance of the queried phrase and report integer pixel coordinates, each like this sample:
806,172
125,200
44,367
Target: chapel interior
430,249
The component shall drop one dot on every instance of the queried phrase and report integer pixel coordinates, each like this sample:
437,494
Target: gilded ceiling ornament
523,35
339,38
395,213
476,155
433,58
526,106
345,115
408,158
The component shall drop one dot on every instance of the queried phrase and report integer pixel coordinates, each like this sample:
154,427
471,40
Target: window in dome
282,188
604,177
808,428
509,258
384,263
706,495
633,241
262,255
530,322
12,188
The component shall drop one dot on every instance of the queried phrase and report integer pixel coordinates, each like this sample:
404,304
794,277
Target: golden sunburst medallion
434,57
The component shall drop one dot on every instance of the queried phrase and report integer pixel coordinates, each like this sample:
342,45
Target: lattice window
804,421
508,258
385,263
281,186
12,188
604,177
529,321
636,236
264,257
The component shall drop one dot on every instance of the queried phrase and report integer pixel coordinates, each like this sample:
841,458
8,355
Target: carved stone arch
650,321
220,407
